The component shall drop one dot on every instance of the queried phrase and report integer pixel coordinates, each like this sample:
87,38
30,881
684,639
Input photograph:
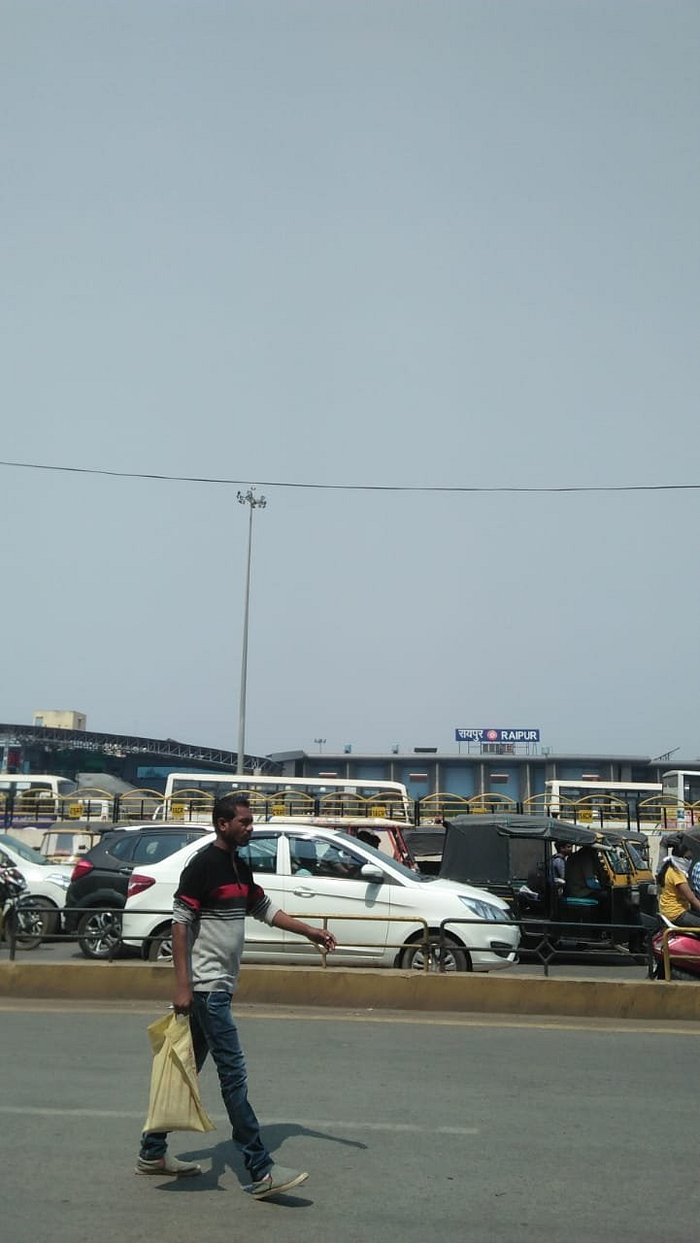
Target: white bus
32,794
606,804
188,796
681,794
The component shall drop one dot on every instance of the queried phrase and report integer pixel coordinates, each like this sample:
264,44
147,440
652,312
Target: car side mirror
371,873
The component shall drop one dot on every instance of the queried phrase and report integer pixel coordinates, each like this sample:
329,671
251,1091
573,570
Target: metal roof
128,744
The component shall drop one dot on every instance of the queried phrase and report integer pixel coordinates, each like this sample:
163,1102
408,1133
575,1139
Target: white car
316,872
47,882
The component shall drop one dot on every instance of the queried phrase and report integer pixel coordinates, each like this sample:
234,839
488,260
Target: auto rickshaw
389,834
68,845
426,845
511,855
626,855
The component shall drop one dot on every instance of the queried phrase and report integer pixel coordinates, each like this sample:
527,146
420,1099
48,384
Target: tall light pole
253,502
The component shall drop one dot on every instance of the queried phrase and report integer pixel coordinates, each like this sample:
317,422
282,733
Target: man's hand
182,1001
320,936
324,938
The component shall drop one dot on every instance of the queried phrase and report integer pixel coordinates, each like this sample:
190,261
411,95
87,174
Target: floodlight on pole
253,502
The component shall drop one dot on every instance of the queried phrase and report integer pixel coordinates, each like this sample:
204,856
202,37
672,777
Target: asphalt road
451,1128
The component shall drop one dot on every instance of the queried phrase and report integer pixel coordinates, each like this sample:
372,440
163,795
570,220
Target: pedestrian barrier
136,806
541,941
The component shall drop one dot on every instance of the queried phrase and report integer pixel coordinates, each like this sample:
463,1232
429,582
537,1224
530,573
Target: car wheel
99,934
454,957
160,949
29,919
50,915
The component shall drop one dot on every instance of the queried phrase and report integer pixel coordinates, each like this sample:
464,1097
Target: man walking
216,892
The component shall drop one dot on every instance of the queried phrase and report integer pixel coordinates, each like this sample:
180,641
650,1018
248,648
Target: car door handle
304,893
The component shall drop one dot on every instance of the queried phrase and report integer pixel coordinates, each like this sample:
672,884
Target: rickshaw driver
585,877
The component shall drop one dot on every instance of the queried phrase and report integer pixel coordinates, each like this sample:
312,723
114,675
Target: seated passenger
371,839
584,875
677,901
303,857
562,851
692,841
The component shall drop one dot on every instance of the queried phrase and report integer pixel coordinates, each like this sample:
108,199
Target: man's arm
686,892
182,999
320,936
186,907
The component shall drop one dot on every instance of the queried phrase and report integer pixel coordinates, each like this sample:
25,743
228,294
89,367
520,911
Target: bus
681,796
188,796
32,795
606,804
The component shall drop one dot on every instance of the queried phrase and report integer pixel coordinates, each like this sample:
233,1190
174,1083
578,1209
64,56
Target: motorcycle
20,916
683,950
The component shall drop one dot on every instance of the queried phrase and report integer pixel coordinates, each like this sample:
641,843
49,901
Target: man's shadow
225,1156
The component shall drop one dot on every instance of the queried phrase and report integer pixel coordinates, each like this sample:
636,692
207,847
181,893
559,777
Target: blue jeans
689,919
214,1031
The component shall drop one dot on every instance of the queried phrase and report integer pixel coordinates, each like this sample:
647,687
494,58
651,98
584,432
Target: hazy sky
452,243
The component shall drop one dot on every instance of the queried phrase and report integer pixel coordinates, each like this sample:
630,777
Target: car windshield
385,861
24,851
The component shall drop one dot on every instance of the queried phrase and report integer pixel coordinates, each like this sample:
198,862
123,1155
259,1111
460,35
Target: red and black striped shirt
217,890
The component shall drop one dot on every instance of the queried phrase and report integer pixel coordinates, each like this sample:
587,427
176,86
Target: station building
517,771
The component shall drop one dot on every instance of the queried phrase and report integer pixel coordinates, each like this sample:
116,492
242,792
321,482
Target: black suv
101,877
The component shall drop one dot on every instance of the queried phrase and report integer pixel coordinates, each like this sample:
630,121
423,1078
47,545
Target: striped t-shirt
216,892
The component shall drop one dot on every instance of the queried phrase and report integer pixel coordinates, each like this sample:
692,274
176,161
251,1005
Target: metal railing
97,807
423,942
541,940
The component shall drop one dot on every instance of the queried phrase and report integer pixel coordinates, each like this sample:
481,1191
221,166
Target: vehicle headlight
484,910
59,879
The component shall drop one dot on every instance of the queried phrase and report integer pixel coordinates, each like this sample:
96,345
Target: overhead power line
357,487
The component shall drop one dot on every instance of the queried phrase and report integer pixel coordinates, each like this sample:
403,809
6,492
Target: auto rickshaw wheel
454,957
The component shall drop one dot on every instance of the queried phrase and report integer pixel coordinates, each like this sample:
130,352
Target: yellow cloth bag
174,1103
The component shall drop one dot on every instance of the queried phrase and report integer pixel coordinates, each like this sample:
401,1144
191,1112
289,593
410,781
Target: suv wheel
100,934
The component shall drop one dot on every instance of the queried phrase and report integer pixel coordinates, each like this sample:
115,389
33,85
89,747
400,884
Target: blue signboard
497,735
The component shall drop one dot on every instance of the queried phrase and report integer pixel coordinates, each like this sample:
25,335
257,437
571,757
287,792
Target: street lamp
319,743
253,502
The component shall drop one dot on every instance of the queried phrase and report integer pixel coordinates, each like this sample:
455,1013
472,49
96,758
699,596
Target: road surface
414,1128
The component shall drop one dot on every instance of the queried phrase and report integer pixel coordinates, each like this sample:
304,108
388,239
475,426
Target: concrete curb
364,989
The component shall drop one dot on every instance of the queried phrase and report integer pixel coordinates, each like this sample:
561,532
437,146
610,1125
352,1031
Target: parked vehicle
100,878
312,872
683,950
19,913
504,853
47,883
190,796
389,836
625,856
32,795
426,845
67,845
